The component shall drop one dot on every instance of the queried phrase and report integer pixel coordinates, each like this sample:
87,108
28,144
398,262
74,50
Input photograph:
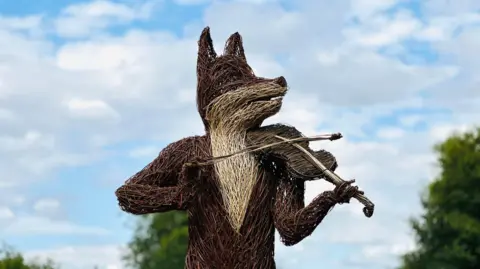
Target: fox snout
247,106
281,81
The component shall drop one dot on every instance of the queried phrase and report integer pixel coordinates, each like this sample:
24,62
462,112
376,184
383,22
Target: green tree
159,242
448,233
10,259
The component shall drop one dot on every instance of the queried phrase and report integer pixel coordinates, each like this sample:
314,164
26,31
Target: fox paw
345,191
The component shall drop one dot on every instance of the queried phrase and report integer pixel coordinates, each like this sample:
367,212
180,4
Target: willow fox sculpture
234,204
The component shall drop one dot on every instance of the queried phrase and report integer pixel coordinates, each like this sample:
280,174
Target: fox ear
206,53
234,46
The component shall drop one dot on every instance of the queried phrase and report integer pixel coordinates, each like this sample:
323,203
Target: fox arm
293,220
162,185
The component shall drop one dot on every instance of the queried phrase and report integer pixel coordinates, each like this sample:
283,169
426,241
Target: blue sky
91,91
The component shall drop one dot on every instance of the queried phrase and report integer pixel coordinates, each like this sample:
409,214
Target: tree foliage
10,259
159,241
448,234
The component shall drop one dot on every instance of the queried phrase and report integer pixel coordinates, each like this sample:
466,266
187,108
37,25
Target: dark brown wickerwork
234,204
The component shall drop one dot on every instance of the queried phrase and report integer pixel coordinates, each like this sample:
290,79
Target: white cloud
80,57
144,152
385,80
462,47
85,18
411,120
90,108
432,33
191,2
265,27
31,139
6,213
380,255
75,257
378,251
390,133
389,31
6,115
299,110
46,206
443,131
30,225
446,8
20,23
366,8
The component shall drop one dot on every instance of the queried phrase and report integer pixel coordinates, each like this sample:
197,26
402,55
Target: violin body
297,164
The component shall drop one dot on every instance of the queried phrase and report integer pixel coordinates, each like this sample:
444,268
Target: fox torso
236,176
215,241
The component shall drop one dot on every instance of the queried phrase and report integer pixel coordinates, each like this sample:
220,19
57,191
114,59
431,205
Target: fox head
229,95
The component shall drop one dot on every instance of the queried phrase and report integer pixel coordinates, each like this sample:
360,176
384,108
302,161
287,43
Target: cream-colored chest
237,175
